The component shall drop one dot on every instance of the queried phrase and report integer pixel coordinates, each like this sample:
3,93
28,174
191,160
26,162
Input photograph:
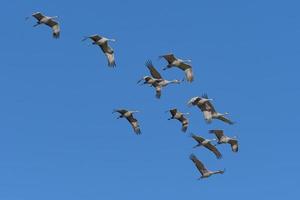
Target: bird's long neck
175,81
187,60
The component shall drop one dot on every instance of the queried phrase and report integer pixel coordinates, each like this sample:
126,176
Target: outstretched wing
213,149
121,111
189,74
198,164
234,145
173,112
95,37
109,53
158,91
199,139
55,27
185,123
134,123
184,66
38,16
224,119
219,133
169,58
154,73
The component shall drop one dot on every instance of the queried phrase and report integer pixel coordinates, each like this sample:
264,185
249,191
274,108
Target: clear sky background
59,139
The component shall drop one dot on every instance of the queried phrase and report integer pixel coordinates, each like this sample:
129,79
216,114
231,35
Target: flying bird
129,116
49,21
209,112
175,114
223,139
179,63
102,42
207,144
202,169
156,81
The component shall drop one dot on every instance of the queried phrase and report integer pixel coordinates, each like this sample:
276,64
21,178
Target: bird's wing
121,111
219,133
158,91
189,74
154,73
207,116
134,123
199,139
214,150
185,123
209,107
169,57
95,37
234,145
184,66
55,27
109,52
38,16
198,164
224,119
173,112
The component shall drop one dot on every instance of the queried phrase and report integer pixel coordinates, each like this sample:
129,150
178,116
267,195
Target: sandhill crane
157,81
210,113
49,21
202,169
129,116
180,117
207,144
102,42
223,139
179,63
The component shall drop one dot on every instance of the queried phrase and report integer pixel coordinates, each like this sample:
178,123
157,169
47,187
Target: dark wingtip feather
204,95
138,131
211,131
184,129
148,63
192,156
112,65
56,35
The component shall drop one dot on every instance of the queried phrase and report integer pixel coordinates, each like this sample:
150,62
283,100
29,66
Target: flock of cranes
156,81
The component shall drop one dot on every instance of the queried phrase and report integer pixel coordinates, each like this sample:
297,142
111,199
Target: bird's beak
190,104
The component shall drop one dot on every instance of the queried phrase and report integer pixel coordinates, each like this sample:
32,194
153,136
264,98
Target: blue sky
59,140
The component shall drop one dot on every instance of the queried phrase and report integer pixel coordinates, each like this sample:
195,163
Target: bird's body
202,169
129,116
180,117
209,112
156,81
49,21
207,144
224,139
179,63
102,42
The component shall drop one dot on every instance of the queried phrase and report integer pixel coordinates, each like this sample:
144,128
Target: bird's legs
38,23
198,145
